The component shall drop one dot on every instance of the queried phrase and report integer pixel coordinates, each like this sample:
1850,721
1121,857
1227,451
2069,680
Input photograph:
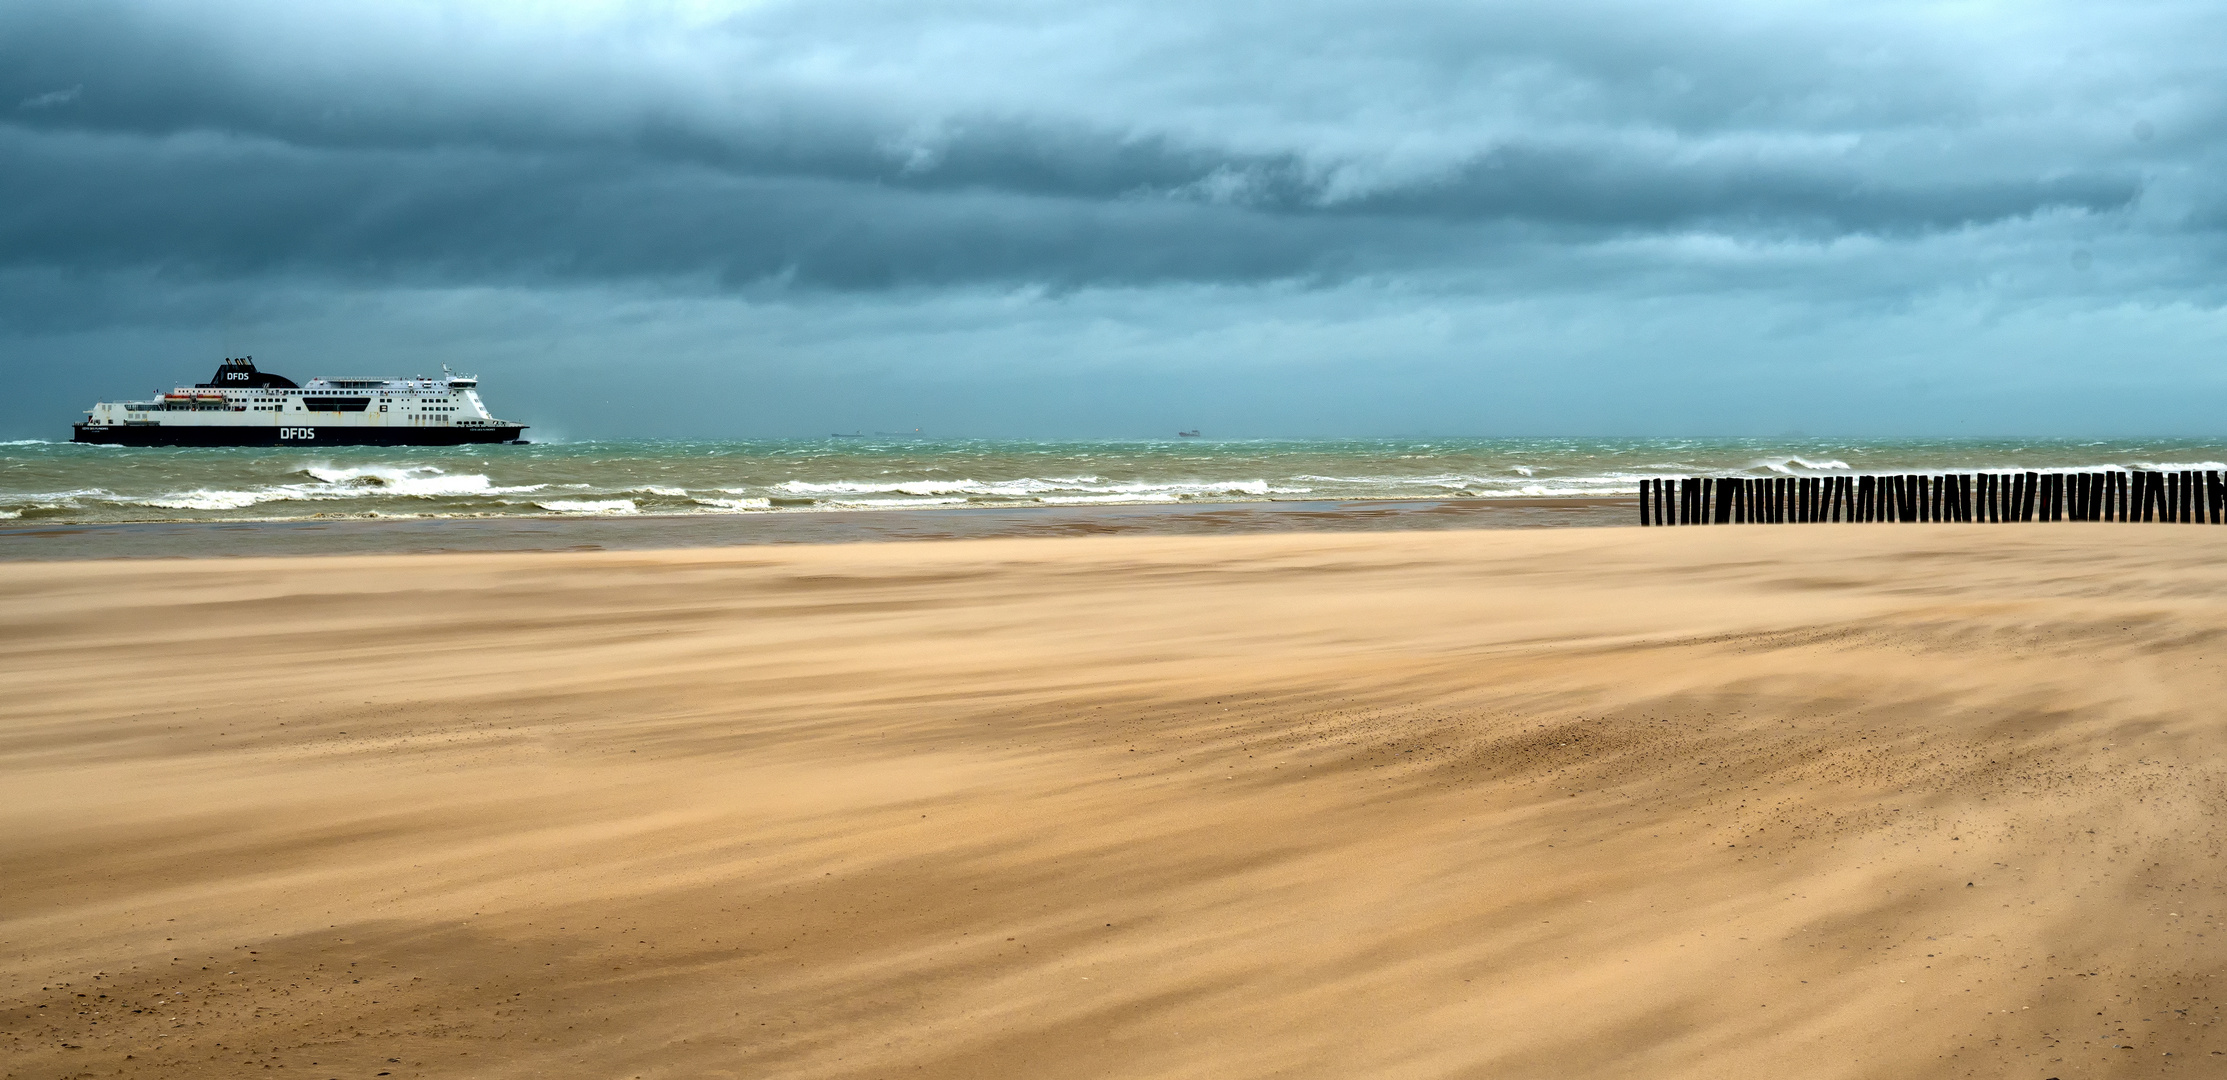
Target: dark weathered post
2026,505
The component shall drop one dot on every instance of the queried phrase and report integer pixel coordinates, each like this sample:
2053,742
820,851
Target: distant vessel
1192,434
241,406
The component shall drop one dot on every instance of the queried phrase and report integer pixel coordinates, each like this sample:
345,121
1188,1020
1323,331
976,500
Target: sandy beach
1825,801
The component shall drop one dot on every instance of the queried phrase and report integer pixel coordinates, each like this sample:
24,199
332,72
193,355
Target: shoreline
552,532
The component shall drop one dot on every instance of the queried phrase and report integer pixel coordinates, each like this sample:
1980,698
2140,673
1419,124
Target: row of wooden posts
2118,495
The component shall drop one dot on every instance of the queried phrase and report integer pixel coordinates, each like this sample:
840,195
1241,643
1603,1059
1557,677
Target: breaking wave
589,506
43,481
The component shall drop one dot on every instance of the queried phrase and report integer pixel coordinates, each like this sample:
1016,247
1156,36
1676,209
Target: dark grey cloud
1482,196
867,145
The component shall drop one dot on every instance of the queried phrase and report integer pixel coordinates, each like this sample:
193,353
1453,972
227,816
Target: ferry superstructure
241,406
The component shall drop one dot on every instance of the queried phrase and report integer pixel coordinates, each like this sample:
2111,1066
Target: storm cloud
979,172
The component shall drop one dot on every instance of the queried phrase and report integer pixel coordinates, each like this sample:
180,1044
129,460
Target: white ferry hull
241,406
306,435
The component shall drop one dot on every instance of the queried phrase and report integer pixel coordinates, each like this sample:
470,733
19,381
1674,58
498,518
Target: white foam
1542,491
1021,488
416,481
1077,500
589,506
868,504
205,499
1794,466
734,504
48,499
2155,466
668,492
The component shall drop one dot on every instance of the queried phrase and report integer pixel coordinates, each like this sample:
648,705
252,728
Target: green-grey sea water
44,482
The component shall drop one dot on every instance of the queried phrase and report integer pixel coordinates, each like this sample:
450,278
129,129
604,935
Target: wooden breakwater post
2185,496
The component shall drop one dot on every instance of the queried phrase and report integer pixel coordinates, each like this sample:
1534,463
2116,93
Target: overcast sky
1104,219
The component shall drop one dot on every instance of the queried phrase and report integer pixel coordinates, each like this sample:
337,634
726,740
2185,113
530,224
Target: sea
64,483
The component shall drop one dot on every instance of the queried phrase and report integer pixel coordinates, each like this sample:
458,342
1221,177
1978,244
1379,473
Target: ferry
241,406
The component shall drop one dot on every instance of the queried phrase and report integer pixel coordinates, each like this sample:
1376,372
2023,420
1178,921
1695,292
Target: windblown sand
1834,801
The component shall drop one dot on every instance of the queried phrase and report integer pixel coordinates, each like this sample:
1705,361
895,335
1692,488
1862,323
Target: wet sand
1826,801
398,536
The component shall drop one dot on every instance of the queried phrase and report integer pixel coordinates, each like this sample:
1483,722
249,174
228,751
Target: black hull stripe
198,435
